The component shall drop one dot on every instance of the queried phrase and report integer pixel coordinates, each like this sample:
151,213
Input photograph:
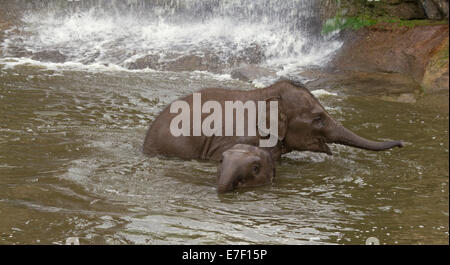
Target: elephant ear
264,123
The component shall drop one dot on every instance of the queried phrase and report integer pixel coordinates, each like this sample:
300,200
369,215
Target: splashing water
279,34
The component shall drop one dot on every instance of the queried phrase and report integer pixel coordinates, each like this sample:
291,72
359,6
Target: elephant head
244,166
304,124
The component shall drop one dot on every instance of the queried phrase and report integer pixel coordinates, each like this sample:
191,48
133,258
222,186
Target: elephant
303,125
244,166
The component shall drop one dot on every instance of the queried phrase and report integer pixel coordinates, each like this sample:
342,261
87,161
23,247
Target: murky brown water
71,165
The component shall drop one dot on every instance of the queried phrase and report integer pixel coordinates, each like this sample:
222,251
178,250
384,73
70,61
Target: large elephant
303,125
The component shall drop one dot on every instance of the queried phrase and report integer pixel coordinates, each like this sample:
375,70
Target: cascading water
200,35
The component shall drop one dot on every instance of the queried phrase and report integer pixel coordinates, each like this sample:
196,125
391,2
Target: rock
252,54
248,73
49,56
5,24
393,2
186,63
178,63
431,9
391,49
205,60
436,80
402,98
360,83
398,9
403,10
443,7
435,102
10,12
436,76
149,61
406,98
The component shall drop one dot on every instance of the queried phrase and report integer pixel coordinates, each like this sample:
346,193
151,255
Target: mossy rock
355,23
436,75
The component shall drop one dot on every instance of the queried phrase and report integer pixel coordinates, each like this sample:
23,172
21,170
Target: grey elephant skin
303,125
244,166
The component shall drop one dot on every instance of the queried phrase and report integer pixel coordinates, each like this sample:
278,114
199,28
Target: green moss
440,59
339,23
415,22
421,90
357,22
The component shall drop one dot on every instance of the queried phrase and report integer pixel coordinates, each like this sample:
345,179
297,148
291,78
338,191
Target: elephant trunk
227,179
346,137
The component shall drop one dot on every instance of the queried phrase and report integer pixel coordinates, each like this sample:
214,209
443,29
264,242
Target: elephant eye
256,169
318,120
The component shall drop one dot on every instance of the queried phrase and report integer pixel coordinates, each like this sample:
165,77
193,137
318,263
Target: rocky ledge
419,52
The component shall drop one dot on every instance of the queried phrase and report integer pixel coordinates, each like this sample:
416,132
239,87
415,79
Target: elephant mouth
326,149
320,146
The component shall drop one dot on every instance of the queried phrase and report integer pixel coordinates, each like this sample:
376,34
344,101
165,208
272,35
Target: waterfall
145,33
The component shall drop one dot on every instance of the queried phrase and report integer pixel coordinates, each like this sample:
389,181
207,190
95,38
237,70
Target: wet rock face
361,83
177,64
443,7
391,49
186,63
5,20
399,9
402,98
252,54
208,60
49,56
436,76
149,61
9,11
248,73
431,9
404,10
435,9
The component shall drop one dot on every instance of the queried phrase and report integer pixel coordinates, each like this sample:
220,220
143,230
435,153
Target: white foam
218,77
10,62
107,42
322,93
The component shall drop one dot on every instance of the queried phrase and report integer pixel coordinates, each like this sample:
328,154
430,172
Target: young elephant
303,124
244,166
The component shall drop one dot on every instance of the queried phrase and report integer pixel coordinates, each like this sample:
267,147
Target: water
71,163
224,33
